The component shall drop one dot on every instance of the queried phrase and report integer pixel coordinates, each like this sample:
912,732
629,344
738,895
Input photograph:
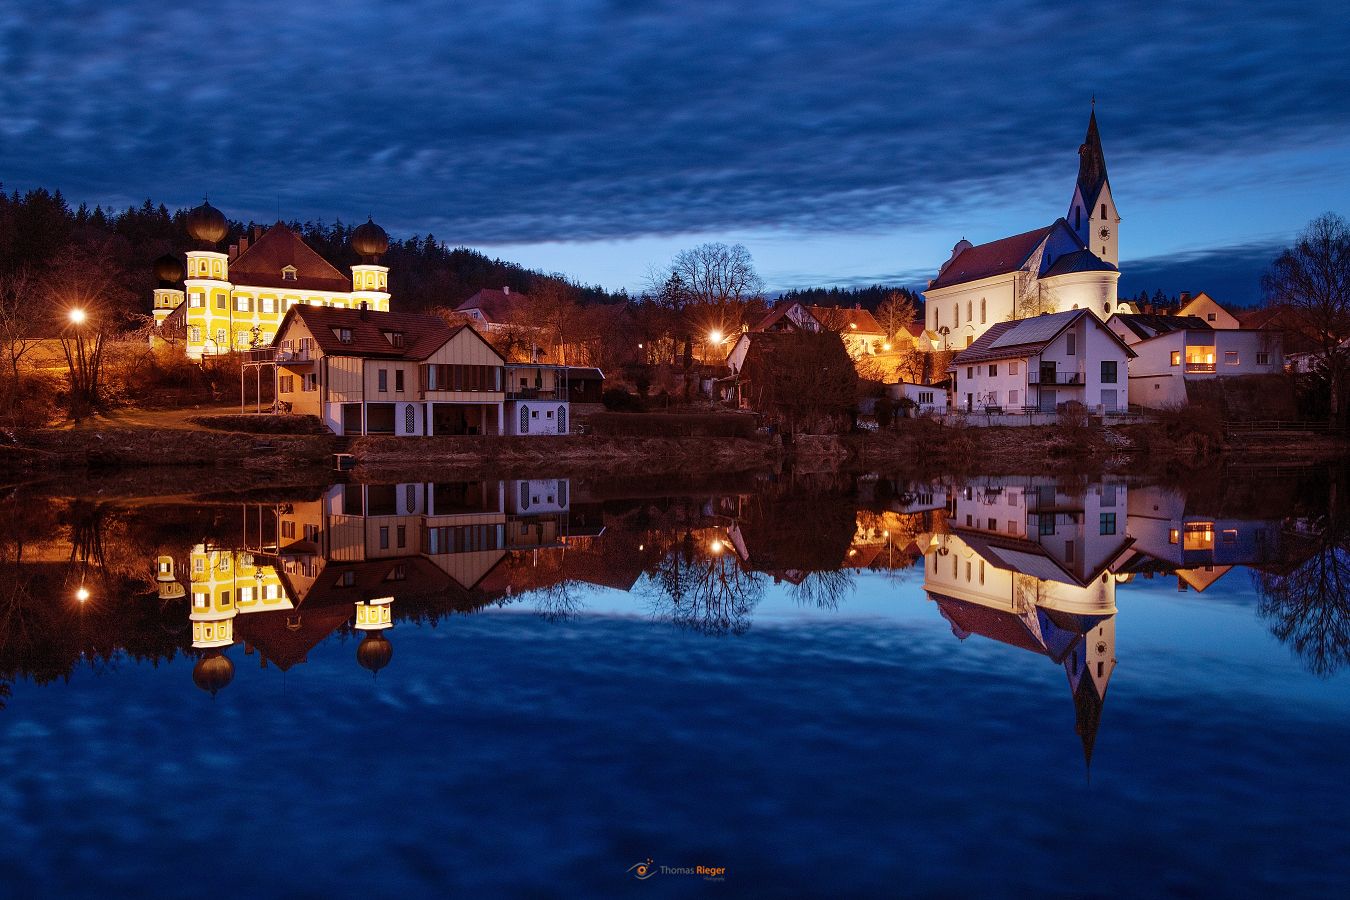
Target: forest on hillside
39,230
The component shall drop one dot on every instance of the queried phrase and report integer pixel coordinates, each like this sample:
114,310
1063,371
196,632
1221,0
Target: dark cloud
1231,275
497,121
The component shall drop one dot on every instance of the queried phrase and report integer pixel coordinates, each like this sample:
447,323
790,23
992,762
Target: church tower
1092,212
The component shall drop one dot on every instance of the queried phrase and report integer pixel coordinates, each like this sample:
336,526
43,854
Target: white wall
545,416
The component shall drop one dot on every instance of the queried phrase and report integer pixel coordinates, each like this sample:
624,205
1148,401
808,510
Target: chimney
234,250
257,232
365,310
1185,297
506,289
243,243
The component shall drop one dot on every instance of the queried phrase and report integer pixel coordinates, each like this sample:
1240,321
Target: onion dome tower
374,652
168,294
213,672
208,270
370,281
207,225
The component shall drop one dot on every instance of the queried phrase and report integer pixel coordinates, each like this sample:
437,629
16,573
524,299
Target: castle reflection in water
1032,563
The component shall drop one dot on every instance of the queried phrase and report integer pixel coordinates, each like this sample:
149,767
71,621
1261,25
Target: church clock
1105,233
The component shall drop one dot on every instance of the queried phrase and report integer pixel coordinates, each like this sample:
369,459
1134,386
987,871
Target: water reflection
1032,563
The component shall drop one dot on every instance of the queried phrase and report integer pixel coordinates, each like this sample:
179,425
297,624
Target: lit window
1176,357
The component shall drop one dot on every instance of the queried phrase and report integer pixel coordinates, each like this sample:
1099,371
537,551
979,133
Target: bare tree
1313,277
20,323
896,314
1033,297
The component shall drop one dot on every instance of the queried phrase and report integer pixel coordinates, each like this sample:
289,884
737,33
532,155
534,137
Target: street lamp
715,336
82,594
77,316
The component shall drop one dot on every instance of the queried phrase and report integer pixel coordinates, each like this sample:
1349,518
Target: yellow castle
235,300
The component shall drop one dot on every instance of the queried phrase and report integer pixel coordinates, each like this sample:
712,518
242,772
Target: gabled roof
1026,337
779,313
495,305
1078,261
846,319
262,263
999,257
422,335
1146,326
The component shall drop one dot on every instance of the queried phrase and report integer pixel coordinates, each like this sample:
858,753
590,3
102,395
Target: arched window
983,319
562,420
524,495
970,311
410,495
524,420
1103,210
408,424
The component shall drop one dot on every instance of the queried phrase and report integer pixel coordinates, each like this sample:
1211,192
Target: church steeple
1092,211
1091,161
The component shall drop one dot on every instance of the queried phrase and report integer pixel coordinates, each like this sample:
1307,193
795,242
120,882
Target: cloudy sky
843,141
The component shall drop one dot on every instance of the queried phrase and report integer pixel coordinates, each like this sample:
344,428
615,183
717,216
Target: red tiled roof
495,305
841,318
262,263
422,335
285,636
971,618
994,258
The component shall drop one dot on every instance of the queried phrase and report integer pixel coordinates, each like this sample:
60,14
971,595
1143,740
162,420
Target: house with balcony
538,399
1039,364
1172,351
367,372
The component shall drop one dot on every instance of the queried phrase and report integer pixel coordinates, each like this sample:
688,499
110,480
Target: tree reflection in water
822,590
1308,606
701,585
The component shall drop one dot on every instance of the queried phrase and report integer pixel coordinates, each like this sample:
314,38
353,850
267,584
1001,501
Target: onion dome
374,652
169,269
213,672
370,240
207,224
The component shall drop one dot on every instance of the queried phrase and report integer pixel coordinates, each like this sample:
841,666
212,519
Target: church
1072,263
235,300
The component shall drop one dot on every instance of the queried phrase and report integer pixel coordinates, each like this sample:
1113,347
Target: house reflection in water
313,567
1027,563
1035,564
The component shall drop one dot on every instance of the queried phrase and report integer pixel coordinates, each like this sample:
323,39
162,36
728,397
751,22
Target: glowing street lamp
715,336
77,316
82,594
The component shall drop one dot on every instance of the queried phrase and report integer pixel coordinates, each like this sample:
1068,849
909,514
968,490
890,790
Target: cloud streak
511,122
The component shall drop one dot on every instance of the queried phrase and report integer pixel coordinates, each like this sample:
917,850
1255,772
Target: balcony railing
529,393
1053,378
1199,367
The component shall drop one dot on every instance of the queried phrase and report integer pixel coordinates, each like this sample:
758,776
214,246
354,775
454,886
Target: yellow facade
222,316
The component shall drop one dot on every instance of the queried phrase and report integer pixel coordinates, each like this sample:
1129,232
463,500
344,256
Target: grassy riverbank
921,447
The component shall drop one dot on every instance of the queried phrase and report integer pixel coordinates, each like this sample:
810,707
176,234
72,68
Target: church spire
1091,160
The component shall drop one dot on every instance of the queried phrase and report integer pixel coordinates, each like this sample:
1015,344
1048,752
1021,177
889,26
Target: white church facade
1073,263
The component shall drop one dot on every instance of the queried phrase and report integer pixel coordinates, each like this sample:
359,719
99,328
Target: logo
646,869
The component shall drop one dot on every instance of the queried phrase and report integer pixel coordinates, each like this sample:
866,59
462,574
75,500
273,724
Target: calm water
821,685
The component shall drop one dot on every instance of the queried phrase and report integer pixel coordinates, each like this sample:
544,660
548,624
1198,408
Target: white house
1203,306
859,329
1171,351
1041,362
1070,264
926,398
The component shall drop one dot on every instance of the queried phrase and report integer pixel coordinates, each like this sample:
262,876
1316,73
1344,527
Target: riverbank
920,447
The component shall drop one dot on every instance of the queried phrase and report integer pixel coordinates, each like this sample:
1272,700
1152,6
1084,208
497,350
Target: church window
969,311
983,311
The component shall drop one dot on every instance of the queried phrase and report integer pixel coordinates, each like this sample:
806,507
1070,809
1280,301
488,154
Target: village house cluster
1023,326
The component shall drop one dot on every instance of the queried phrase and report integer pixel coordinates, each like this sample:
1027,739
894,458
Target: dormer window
344,335
395,339
288,273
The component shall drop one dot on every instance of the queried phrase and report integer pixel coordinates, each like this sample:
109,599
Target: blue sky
843,142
